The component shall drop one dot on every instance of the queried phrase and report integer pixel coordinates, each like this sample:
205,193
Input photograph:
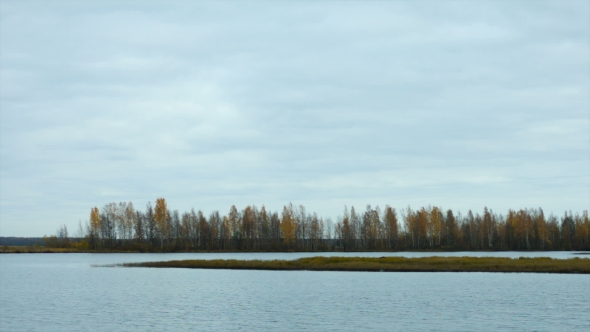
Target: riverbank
47,250
37,249
388,264
43,249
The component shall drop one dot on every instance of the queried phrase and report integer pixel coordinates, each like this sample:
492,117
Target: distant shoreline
388,264
46,250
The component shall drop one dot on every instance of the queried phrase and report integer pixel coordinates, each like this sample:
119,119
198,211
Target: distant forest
22,241
119,226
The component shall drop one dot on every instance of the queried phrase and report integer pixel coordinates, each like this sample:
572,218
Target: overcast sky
456,104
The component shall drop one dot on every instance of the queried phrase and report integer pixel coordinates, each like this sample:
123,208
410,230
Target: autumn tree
437,221
568,231
109,218
288,227
301,225
127,221
275,230
150,225
215,223
410,225
63,236
186,241
316,231
524,227
425,229
345,231
488,229
540,228
248,226
264,228
204,231
225,233
175,229
235,226
582,231
161,218
391,227
355,228
470,227
95,227
139,227
371,227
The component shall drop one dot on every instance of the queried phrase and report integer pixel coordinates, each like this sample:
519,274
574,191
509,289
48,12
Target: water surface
62,292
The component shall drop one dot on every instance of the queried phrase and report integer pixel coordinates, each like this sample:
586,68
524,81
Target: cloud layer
210,104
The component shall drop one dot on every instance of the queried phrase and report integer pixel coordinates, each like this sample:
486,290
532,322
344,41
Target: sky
458,104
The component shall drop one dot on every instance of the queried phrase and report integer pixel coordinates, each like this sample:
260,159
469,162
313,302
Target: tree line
119,226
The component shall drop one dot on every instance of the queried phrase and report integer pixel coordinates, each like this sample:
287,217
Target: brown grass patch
389,264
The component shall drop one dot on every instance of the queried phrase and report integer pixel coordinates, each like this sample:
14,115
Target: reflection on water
62,292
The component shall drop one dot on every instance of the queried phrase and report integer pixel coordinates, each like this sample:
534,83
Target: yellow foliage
288,226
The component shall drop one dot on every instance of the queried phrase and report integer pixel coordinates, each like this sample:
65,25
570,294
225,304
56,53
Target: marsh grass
48,250
35,249
389,264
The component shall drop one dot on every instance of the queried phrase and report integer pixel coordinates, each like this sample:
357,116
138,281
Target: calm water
63,292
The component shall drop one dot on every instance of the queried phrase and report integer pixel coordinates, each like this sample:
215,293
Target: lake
64,292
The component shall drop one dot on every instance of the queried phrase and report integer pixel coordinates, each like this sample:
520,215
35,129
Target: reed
389,264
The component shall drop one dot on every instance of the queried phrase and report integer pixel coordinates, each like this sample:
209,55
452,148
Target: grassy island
389,264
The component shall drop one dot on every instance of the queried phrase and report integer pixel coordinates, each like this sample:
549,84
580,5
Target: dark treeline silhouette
119,226
21,241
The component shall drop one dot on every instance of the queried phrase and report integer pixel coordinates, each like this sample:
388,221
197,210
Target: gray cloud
210,104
